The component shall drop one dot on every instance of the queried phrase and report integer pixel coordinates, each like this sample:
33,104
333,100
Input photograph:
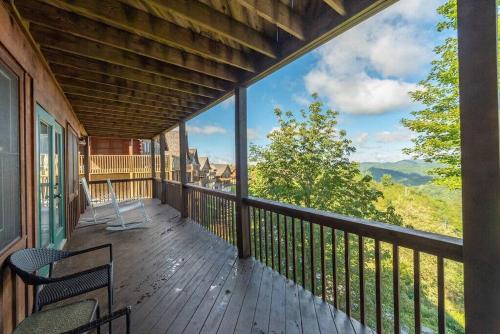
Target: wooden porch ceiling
133,68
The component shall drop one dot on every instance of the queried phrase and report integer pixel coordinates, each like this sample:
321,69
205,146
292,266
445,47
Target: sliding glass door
50,159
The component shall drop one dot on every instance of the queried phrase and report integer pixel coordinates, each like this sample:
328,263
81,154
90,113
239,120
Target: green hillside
404,166
407,172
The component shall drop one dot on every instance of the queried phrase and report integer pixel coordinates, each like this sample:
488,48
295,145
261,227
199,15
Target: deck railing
214,210
125,189
119,164
336,257
173,194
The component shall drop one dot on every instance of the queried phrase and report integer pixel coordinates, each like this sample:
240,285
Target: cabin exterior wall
37,86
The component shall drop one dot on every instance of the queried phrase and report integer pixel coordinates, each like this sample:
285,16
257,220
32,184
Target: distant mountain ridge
407,172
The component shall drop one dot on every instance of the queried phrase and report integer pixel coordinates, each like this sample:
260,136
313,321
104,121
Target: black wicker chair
78,317
27,262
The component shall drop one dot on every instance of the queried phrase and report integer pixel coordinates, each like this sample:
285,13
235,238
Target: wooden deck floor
179,278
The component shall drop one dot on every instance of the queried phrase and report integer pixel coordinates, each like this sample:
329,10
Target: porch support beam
242,221
153,167
163,145
183,152
477,42
86,158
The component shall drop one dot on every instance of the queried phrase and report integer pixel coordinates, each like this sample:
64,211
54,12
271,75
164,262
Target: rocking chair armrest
49,280
103,320
91,249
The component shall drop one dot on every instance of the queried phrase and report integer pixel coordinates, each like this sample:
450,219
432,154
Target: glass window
10,227
72,163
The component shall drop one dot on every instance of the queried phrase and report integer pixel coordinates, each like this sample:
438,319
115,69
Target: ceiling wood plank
277,13
74,90
77,25
136,21
114,124
93,118
94,101
337,5
114,111
54,39
120,134
62,58
211,20
121,123
72,72
125,92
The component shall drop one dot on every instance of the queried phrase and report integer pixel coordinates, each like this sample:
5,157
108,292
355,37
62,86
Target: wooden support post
163,146
479,121
153,168
86,159
183,152
242,221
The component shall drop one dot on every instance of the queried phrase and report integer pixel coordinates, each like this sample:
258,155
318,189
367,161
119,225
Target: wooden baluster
347,275
226,221
416,290
395,287
323,262
286,247
212,215
278,222
311,247
203,210
302,249
294,255
260,238
233,219
361,266
441,305
265,237
272,239
217,215
378,282
254,232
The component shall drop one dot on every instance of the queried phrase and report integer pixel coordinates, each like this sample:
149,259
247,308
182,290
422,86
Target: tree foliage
438,124
307,164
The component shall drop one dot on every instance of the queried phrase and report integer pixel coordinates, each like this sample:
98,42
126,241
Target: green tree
438,124
307,163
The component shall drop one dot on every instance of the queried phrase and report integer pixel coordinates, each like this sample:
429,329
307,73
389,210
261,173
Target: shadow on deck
179,278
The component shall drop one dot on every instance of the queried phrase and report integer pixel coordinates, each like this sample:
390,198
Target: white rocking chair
123,207
94,205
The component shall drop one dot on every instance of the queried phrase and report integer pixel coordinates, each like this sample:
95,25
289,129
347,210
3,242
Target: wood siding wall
37,86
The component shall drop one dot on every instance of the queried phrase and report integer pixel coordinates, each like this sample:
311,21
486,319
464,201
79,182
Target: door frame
41,115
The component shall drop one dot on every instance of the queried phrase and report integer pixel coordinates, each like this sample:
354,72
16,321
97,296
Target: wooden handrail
219,193
427,242
120,180
435,244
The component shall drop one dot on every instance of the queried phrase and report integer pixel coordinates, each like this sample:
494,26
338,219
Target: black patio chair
27,262
79,317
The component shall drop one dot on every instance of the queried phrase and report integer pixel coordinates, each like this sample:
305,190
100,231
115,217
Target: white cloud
206,130
301,100
371,68
392,136
275,128
361,138
253,134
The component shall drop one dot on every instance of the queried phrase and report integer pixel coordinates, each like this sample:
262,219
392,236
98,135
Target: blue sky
365,74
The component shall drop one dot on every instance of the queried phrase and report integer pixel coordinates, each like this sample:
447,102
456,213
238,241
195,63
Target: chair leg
98,315
127,319
144,213
35,299
110,303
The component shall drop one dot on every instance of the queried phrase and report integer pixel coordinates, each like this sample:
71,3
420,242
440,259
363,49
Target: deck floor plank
180,278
